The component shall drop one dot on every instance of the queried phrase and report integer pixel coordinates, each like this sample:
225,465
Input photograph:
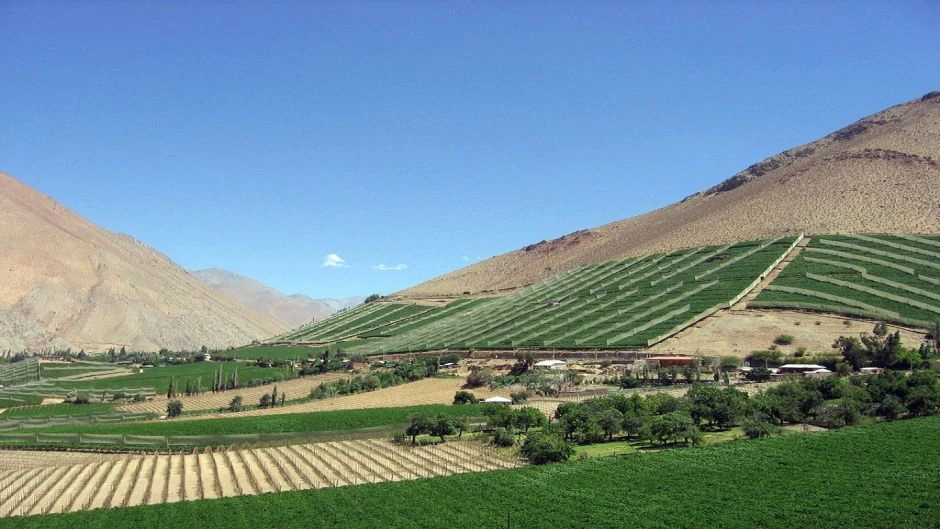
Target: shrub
174,408
479,378
784,339
519,397
503,437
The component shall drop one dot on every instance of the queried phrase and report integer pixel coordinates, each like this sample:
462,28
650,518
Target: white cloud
334,261
389,268
465,258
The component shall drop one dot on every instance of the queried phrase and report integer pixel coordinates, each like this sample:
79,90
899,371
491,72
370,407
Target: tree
441,426
610,421
529,417
465,397
757,427
417,425
758,374
524,362
673,426
236,404
373,297
546,446
852,351
174,408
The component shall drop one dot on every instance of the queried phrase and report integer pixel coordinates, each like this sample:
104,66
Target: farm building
551,364
498,400
801,369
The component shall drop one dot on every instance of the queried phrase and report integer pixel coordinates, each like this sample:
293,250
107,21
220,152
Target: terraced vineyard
372,320
619,304
19,372
890,277
44,482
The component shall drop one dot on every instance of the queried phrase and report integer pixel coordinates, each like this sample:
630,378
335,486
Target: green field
629,303
888,277
373,320
158,378
56,410
884,475
287,423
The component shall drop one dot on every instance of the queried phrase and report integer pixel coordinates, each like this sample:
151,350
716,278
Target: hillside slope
878,174
292,310
68,282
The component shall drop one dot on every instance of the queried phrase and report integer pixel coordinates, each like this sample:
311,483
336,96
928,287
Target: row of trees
438,425
400,373
663,419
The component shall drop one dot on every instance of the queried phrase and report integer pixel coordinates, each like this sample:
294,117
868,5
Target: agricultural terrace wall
598,355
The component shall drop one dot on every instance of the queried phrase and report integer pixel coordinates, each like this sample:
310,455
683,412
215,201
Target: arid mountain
67,282
293,310
879,174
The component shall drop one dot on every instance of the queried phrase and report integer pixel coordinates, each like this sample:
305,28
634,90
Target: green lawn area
880,476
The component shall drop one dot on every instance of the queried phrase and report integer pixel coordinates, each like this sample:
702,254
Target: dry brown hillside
65,281
879,174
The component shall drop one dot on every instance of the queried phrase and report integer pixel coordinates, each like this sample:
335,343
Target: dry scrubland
49,482
738,333
876,175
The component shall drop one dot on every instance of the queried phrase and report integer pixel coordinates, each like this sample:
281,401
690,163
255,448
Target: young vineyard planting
887,277
52,482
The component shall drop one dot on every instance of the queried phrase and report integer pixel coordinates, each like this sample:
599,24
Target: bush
174,408
465,397
479,378
784,339
519,397
758,374
546,446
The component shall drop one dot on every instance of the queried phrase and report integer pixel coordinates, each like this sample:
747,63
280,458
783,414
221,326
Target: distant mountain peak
291,309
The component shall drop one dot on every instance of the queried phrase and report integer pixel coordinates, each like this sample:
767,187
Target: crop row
158,478
614,304
883,277
877,476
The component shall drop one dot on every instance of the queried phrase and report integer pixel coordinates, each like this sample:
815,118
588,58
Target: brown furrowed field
426,391
298,387
52,482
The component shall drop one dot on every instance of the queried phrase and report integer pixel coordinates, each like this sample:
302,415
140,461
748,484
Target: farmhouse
551,364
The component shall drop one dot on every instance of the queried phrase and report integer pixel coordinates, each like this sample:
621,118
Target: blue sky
400,140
